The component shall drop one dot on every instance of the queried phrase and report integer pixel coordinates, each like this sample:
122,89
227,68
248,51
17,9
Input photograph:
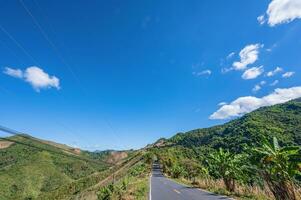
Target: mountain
209,157
30,167
282,121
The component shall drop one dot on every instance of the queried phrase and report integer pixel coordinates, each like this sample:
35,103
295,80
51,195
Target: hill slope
208,158
282,121
30,167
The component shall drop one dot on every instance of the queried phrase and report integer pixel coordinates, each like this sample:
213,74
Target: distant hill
282,121
30,167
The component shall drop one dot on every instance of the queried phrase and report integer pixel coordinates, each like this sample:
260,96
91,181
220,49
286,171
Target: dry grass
241,192
138,189
298,192
5,144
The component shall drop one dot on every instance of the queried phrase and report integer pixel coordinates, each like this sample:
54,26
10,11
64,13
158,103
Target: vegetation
30,168
257,156
228,166
279,167
244,154
282,121
133,185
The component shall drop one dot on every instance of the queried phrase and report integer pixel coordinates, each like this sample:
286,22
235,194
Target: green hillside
29,167
241,157
282,121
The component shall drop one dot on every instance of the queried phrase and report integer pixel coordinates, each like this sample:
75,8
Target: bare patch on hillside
116,156
5,144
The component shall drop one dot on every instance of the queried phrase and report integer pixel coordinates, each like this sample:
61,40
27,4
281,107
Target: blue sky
121,74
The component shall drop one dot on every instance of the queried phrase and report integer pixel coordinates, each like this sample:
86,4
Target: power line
53,46
45,35
20,134
18,44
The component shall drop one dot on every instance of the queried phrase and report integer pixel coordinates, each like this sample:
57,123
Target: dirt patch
117,156
5,144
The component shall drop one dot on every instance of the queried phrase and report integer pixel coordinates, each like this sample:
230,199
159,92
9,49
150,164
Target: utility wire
47,38
45,35
20,134
18,44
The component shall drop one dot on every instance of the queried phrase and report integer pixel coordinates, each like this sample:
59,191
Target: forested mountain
256,156
282,121
31,168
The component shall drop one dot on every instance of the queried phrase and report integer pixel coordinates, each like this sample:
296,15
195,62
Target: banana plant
228,166
278,166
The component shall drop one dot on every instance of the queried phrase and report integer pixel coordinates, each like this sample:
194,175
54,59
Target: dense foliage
242,152
133,185
28,170
282,121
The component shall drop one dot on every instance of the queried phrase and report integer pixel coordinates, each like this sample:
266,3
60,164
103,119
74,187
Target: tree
177,171
193,169
278,166
225,165
104,194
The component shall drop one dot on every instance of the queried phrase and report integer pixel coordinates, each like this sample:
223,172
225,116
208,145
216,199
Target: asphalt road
165,189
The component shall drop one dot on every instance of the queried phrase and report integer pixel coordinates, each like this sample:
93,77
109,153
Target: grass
132,185
218,187
26,172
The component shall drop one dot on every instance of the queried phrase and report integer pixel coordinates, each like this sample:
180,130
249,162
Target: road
162,188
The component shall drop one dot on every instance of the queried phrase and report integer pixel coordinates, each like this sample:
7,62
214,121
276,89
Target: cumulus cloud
288,74
261,19
243,105
281,11
274,72
258,86
262,82
17,73
204,72
230,55
248,55
39,79
252,73
222,103
274,83
35,76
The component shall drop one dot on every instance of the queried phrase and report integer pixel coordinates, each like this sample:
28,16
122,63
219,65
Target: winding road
162,188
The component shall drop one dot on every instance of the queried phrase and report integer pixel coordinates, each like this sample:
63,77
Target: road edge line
200,189
150,187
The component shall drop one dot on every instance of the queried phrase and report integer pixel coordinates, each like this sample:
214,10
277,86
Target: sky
122,74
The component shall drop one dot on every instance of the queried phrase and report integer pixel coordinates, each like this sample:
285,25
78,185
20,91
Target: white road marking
177,191
150,187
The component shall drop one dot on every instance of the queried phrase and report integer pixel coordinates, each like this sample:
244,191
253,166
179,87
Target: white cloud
281,11
274,83
39,79
258,86
261,19
252,73
17,73
204,72
274,72
36,77
226,70
243,105
222,103
288,74
248,55
230,55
